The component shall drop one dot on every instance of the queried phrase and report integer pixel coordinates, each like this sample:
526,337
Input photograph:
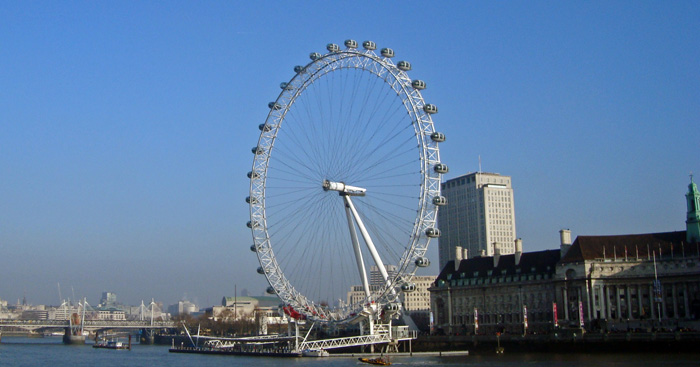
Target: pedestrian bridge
88,325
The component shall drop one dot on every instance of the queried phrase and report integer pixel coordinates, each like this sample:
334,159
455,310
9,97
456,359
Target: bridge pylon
70,337
147,336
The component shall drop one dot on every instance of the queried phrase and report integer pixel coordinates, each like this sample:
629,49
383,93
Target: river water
52,352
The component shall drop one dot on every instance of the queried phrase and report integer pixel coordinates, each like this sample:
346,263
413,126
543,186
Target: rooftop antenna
479,163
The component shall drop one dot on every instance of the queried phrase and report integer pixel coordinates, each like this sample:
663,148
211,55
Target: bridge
94,326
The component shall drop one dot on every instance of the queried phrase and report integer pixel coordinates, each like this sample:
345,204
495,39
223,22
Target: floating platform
235,352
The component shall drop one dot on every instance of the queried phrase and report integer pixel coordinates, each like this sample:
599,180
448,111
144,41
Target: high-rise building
109,299
479,216
375,276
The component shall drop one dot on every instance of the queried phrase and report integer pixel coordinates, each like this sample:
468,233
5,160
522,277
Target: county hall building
609,283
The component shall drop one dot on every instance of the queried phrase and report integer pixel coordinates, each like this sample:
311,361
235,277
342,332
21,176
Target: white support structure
358,252
382,334
368,240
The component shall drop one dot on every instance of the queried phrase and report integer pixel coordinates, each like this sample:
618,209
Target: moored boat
111,344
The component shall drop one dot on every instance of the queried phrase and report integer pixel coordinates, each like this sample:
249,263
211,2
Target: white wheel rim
300,237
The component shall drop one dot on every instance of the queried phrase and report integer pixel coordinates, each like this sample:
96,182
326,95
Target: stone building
113,314
636,282
642,281
419,300
502,293
244,308
631,281
357,293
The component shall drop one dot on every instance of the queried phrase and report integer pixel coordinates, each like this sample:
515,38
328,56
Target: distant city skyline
126,128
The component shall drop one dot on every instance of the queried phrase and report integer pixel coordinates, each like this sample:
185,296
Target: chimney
496,256
466,254
458,256
483,253
565,239
518,250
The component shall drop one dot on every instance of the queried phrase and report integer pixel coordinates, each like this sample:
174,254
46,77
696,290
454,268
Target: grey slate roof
538,262
642,245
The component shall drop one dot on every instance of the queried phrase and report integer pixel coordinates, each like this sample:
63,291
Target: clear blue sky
126,127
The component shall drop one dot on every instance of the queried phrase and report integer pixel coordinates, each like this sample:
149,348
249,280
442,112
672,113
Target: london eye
345,185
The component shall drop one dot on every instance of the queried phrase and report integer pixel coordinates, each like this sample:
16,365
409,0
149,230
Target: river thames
51,352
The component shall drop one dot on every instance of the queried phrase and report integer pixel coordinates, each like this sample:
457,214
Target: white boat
111,344
315,353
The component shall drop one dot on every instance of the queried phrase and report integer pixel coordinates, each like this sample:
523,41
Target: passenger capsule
392,307
437,137
286,86
422,262
264,127
441,168
430,108
257,150
252,175
261,270
369,45
404,65
408,287
250,200
350,43
314,56
253,248
274,106
270,290
439,201
298,69
418,84
332,47
432,232
387,52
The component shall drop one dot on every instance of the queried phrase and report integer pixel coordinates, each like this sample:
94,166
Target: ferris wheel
345,185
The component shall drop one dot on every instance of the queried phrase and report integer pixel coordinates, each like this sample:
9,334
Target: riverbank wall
581,342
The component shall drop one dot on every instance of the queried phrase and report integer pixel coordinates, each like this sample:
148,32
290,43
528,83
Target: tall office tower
108,299
479,216
375,276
